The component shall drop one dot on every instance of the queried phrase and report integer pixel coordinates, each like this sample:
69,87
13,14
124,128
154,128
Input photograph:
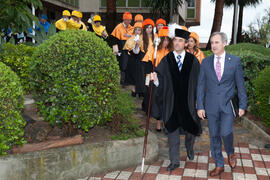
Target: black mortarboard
182,33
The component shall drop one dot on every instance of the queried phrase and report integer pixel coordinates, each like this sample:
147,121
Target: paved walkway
253,162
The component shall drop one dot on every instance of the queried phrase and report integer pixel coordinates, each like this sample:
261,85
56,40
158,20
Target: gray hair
224,37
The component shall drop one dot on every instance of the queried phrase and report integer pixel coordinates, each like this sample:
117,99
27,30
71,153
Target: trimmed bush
11,103
262,89
249,46
254,59
75,78
17,57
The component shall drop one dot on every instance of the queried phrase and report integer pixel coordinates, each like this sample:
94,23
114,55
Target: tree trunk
111,15
217,19
240,23
234,14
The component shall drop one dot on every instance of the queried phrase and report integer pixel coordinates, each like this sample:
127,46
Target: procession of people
164,66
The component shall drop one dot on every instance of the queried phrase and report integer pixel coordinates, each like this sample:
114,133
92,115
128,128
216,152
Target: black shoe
171,167
267,146
133,94
190,154
158,130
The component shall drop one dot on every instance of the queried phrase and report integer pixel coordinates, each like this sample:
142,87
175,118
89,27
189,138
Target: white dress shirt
183,54
222,62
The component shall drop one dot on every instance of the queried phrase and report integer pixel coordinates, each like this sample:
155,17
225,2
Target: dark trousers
174,143
220,128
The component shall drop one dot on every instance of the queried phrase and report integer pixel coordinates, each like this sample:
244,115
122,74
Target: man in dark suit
220,75
176,79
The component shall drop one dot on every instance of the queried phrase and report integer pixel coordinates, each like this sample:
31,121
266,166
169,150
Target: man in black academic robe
176,78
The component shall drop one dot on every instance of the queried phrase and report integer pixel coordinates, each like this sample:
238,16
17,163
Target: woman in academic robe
148,45
163,49
193,46
96,27
132,49
160,23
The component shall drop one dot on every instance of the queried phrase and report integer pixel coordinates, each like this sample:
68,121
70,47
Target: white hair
224,37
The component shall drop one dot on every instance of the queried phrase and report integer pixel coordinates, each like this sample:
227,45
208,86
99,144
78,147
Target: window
72,2
191,9
126,3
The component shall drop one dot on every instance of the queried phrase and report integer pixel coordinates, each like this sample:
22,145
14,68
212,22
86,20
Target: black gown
177,105
134,70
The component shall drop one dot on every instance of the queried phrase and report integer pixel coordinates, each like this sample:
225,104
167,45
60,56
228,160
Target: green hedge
17,57
254,59
75,78
262,89
249,46
11,103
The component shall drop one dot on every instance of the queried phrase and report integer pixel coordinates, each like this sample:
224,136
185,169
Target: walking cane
156,42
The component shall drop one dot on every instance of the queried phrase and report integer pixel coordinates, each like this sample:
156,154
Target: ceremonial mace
156,42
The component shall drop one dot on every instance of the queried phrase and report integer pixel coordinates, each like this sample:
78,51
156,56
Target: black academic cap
182,33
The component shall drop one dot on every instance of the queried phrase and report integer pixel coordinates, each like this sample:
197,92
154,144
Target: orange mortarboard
161,21
163,32
195,36
137,25
148,22
138,17
127,16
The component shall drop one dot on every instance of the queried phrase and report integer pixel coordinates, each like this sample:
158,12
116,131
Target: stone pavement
253,161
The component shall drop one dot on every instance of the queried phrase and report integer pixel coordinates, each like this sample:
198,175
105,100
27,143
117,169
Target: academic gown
154,112
133,72
61,25
176,94
118,38
199,55
98,34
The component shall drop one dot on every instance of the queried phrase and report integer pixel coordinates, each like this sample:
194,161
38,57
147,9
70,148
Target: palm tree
217,18
242,4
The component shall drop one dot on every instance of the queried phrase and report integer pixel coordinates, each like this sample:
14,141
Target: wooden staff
156,42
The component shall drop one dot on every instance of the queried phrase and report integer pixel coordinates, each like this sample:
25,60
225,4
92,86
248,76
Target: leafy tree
259,31
161,8
242,5
17,14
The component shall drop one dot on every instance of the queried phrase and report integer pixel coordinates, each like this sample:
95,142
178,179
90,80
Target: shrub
123,122
262,89
249,46
11,103
75,79
254,59
17,57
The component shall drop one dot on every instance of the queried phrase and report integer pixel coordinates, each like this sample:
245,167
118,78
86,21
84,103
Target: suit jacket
214,96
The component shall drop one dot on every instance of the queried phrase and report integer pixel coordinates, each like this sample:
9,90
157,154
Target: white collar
182,55
222,55
125,26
